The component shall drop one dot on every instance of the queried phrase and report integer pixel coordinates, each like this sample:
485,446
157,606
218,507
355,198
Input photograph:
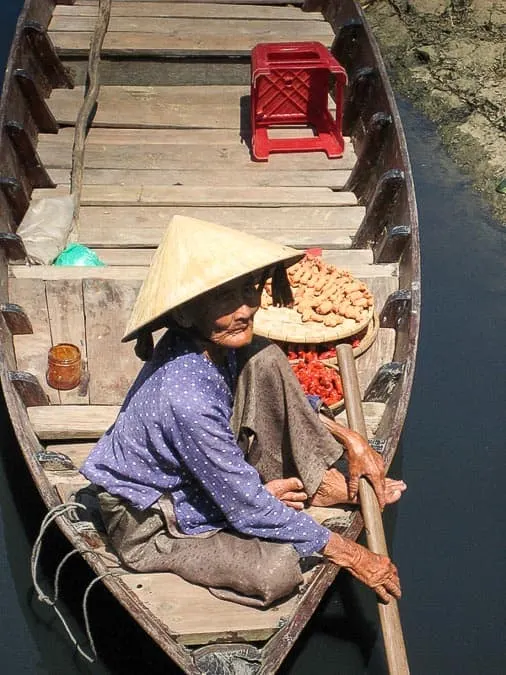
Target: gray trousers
282,437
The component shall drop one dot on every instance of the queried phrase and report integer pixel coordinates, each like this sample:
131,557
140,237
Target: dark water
448,533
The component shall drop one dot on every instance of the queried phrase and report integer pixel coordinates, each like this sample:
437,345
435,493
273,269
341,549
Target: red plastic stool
290,87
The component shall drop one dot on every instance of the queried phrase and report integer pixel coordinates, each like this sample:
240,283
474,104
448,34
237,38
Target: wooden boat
170,135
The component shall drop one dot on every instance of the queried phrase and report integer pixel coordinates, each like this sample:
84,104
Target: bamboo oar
389,614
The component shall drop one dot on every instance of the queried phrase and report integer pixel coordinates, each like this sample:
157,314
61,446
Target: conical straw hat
193,257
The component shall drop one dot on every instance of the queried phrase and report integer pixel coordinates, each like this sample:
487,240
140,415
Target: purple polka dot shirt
173,435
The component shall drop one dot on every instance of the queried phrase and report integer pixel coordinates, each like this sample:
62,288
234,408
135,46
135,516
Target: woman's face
225,315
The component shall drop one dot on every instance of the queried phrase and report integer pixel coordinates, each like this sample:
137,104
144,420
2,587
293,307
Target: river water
447,535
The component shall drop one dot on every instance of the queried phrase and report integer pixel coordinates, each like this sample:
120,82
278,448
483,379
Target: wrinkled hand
363,461
376,571
288,490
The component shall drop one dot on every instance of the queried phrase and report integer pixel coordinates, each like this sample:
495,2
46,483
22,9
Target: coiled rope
50,517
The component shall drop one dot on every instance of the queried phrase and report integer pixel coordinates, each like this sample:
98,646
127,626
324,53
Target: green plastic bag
78,255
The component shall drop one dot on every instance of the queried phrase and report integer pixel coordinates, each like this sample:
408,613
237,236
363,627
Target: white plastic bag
45,228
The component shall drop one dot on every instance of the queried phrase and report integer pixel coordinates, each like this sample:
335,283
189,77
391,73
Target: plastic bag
45,228
78,255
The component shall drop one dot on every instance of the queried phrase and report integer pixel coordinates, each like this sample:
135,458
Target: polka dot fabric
173,435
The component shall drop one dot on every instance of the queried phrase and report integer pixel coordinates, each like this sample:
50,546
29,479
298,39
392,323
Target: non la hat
194,257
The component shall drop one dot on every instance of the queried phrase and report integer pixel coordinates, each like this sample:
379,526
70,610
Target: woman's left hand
363,461
290,491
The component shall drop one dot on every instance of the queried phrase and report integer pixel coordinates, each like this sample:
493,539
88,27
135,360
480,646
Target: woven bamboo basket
285,325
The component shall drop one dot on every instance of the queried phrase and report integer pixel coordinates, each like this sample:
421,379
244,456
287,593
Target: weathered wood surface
177,29
77,452
350,259
186,610
177,36
131,264
88,422
203,107
197,10
257,174
178,157
163,195
66,320
383,347
90,307
32,349
112,365
262,3
144,226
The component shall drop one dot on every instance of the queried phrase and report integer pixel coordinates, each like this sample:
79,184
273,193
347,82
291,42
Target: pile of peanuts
324,293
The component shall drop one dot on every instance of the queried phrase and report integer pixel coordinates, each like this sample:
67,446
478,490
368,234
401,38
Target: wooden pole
389,614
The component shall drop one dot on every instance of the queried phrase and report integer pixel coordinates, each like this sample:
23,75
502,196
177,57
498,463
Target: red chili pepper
316,378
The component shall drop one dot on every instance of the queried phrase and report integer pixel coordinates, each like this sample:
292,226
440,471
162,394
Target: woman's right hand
290,491
374,570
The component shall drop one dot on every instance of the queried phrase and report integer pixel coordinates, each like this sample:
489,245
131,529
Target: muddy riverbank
448,57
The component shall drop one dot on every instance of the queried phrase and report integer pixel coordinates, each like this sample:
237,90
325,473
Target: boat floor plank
56,422
184,36
258,174
206,29
261,3
197,10
181,157
185,610
202,107
144,226
181,195
120,136
106,293
77,452
358,261
142,256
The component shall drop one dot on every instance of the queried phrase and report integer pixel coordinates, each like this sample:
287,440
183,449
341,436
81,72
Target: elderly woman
216,449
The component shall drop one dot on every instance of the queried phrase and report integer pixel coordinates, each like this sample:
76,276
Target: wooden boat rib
170,135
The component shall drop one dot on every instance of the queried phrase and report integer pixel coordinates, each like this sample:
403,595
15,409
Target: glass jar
64,366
